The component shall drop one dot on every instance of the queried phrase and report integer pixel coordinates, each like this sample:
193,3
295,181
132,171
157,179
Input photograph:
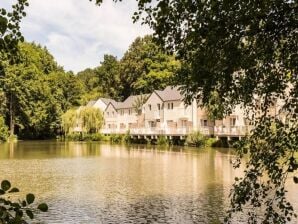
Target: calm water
97,183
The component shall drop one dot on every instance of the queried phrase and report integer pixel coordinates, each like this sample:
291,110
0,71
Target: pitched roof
107,100
91,103
129,102
170,93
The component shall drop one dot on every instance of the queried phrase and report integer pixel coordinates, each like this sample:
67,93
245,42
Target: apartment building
121,117
164,112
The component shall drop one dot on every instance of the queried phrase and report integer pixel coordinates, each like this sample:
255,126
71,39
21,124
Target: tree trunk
12,117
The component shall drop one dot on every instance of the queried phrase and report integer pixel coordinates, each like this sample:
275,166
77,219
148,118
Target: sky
77,32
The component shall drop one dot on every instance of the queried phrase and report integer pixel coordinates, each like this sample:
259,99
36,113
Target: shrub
76,136
3,130
195,139
162,140
126,137
210,142
116,138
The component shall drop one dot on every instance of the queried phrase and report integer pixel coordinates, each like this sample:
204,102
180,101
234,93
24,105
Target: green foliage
76,136
116,138
91,118
139,102
108,75
3,130
162,141
37,92
246,51
14,212
10,33
88,119
195,139
127,138
143,68
69,120
210,142
90,81
215,108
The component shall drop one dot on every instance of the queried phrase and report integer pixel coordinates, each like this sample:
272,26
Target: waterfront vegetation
3,130
195,139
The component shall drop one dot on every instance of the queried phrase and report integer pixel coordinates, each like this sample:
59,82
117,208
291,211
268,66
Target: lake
88,182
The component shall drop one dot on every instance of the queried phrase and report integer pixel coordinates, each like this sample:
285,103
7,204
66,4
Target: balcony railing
232,131
208,130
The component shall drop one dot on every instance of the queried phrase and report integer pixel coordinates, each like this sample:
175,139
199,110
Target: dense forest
35,92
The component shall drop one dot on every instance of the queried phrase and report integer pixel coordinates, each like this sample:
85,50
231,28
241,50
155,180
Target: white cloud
78,33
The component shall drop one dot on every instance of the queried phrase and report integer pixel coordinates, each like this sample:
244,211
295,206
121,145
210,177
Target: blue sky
77,32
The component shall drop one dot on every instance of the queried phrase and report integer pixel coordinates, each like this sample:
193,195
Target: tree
145,67
92,119
139,102
92,88
247,52
88,119
108,76
3,130
37,93
10,34
70,119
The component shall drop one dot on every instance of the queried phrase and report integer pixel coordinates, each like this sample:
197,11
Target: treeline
35,92
143,68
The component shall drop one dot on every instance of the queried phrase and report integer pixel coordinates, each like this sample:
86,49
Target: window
129,111
113,113
158,106
204,123
108,113
122,112
149,106
170,106
232,121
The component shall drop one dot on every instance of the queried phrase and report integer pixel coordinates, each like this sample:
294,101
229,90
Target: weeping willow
86,120
92,119
69,121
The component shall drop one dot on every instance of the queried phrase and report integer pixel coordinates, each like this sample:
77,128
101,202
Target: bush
210,142
162,140
3,130
76,136
195,139
126,137
116,138
221,143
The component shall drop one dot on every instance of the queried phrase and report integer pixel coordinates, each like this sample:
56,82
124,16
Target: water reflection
101,183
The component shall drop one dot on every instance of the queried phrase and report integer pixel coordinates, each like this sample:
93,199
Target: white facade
165,113
169,116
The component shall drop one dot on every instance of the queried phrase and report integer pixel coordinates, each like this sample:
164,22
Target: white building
166,113
121,117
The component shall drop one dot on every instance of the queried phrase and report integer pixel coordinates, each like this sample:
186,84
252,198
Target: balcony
232,131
